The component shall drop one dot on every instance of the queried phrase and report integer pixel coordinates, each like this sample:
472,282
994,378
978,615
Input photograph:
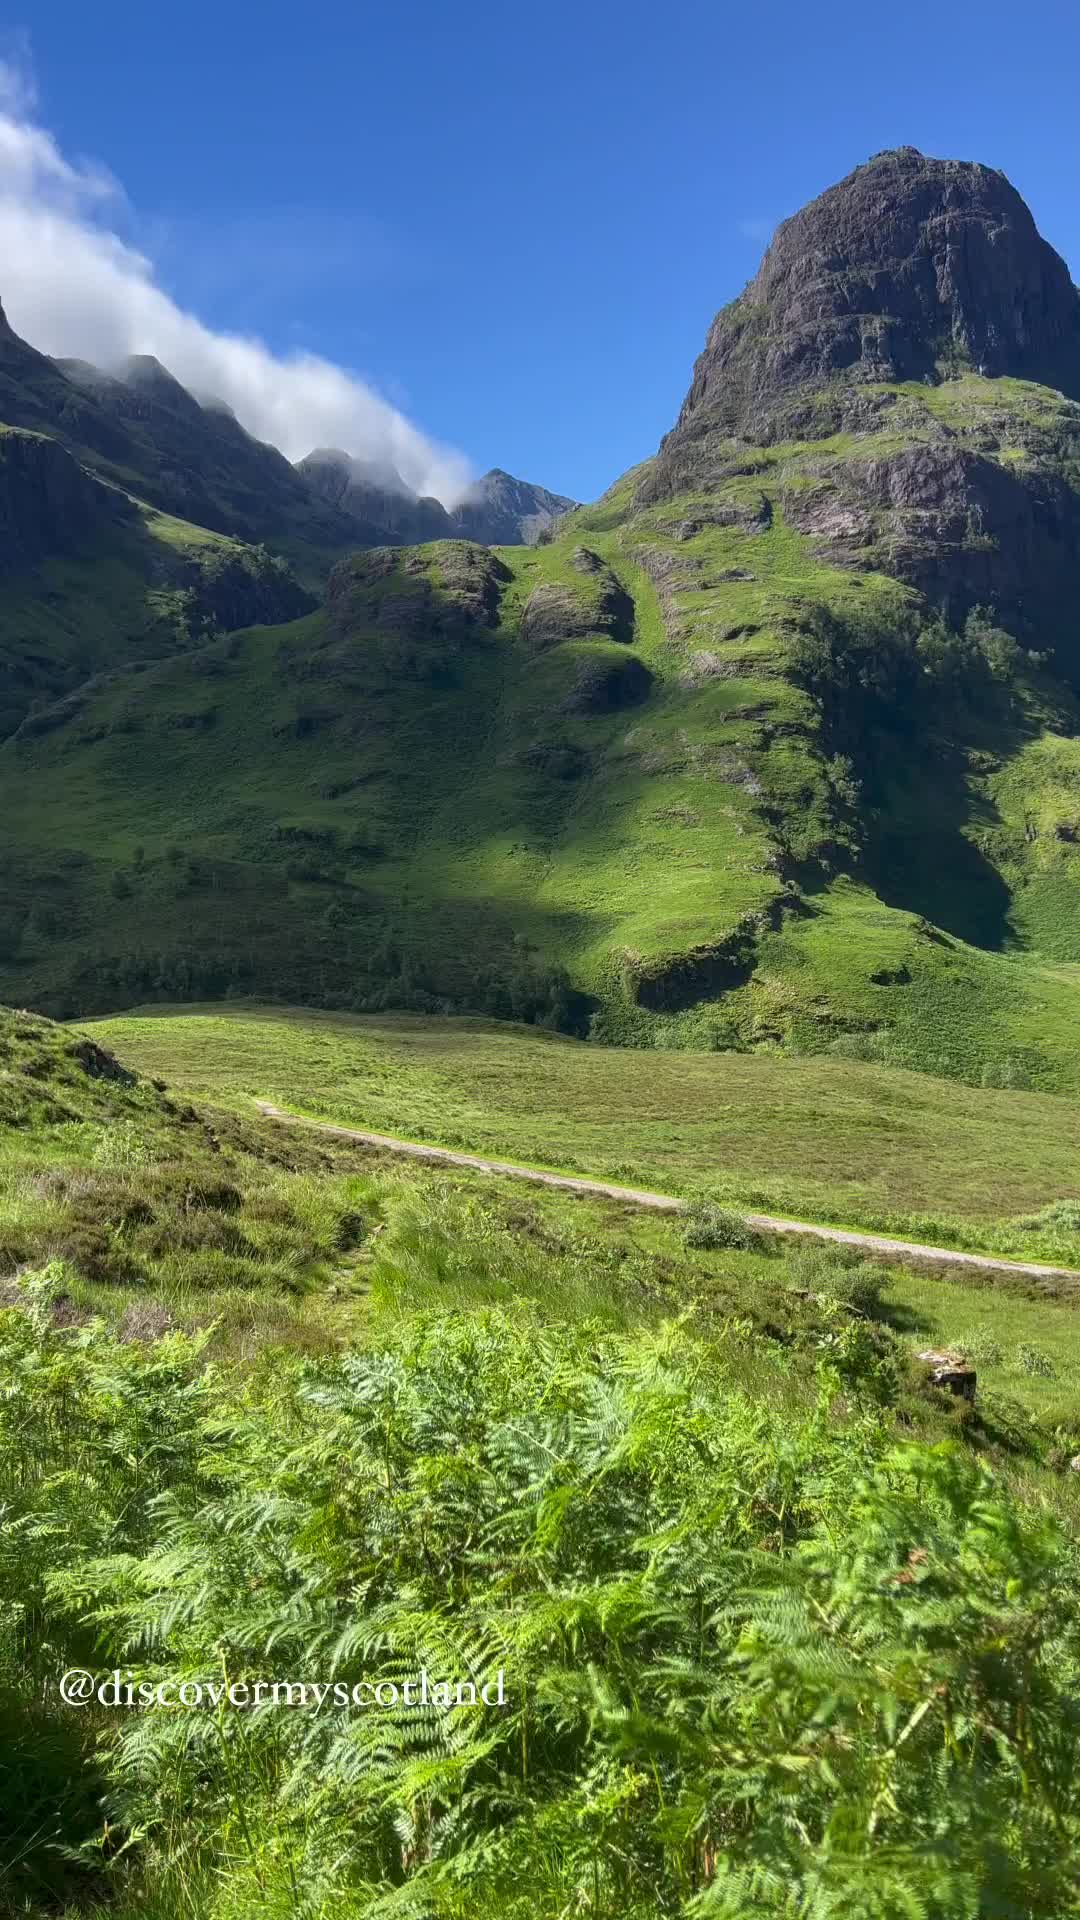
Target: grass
814,1137
171,1273
153,1211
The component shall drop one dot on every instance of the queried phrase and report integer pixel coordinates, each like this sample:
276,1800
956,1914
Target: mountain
908,270
372,495
869,308
500,511
139,429
497,511
775,746
136,518
195,461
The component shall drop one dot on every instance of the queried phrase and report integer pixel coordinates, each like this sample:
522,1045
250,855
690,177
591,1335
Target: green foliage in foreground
759,1658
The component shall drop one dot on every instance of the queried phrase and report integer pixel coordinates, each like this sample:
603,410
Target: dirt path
907,1252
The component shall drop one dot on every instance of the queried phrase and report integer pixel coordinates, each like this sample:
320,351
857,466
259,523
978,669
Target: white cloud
74,288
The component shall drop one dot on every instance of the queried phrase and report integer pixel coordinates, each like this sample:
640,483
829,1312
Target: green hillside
726,844
670,779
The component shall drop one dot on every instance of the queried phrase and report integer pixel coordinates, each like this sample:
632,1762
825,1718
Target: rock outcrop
909,269
48,503
556,611
438,596
959,526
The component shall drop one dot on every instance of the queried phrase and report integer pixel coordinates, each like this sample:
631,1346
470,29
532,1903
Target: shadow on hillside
921,860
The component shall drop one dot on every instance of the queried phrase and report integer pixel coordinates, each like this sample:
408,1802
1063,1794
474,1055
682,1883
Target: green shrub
712,1229
839,1273
1060,1216
1006,1073
700,1600
1033,1361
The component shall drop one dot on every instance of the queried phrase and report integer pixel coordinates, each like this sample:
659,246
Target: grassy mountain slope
115,589
596,778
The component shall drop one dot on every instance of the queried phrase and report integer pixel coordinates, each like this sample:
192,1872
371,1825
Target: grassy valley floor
818,1138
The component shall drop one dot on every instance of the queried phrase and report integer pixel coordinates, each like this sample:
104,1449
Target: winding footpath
910,1253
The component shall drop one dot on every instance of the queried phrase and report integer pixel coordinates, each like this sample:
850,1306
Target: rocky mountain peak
146,376
497,510
911,268
500,510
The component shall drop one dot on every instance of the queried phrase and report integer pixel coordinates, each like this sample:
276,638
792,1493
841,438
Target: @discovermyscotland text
79,1687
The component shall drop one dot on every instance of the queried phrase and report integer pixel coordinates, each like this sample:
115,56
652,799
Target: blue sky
518,222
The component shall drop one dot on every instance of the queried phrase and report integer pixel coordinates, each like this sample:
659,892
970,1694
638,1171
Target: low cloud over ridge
74,288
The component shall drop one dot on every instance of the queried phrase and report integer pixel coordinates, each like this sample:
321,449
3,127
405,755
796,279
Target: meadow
842,1141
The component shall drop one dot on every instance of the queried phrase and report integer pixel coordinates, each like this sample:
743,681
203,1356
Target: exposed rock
750,516
950,1371
141,428
670,982
553,614
959,526
472,580
500,511
242,587
908,268
99,1064
49,504
673,573
375,496
431,599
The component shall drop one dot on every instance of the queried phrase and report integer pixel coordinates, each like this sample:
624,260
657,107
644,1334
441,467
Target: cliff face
912,324
910,269
382,508
48,503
